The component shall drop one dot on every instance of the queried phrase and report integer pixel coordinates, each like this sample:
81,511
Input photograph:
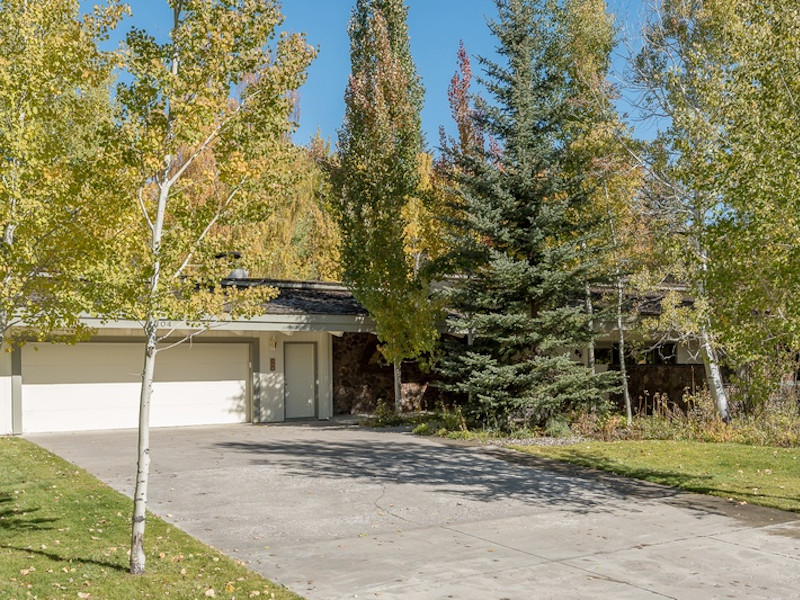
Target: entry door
300,372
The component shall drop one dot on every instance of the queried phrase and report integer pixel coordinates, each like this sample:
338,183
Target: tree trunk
623,368
398,387
714,376
151,349
3,327
590,311
137,564
710,361
623,365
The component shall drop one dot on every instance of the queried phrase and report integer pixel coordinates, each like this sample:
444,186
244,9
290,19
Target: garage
96,385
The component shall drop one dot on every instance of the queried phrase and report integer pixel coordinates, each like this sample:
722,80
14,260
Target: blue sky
435,28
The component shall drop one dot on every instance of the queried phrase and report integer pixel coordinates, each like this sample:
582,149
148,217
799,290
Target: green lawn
65,535
753,474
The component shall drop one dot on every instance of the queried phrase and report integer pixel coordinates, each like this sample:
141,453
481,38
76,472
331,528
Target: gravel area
536,441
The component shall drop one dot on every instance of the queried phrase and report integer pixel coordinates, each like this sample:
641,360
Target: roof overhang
325,323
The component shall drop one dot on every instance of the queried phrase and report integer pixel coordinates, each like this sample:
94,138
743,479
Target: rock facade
361,377
670,382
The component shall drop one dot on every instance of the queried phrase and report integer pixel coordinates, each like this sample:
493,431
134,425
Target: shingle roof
305,297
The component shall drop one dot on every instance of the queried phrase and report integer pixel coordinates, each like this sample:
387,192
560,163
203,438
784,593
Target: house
278,366
310,355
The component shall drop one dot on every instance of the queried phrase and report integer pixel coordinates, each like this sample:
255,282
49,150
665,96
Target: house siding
6,398
269,405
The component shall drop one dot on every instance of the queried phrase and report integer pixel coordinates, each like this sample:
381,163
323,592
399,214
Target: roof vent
233,257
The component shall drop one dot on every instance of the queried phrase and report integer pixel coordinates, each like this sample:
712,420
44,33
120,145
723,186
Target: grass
65,535
767,476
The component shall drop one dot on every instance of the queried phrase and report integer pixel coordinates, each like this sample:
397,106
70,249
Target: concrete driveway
337,512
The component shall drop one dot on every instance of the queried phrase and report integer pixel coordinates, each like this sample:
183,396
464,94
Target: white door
300,373
96,386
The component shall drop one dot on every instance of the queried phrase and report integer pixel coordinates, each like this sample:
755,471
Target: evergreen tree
523,265
380,146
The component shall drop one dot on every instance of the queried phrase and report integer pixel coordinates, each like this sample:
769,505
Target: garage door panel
199,404
65,408
97,386
78,374
201,362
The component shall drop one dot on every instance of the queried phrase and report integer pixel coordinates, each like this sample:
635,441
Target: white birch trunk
623,365
398,387
8,242
714,376
590,311
137,565
623,368
710,360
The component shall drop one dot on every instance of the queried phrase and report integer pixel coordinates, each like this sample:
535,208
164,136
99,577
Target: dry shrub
775,423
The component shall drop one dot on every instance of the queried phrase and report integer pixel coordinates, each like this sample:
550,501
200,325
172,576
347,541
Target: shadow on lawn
478,474
17,520
21,519
593,462
68,559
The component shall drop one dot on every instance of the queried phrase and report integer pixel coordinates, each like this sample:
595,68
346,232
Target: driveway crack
564,562
387,510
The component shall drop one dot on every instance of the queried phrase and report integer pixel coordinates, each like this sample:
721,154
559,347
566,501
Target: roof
305,297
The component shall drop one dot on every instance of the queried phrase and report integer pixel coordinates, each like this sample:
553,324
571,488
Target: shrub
558,426
775,423
385,415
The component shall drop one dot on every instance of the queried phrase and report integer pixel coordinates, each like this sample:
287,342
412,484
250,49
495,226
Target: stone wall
672,381
361,377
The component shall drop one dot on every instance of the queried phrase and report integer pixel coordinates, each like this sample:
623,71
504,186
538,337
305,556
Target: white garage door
96,386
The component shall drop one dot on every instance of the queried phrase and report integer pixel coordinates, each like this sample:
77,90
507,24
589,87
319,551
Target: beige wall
271,382
5,392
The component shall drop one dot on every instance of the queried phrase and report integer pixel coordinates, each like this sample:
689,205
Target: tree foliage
684,66
601,152
523,267
378,182
205,117
751,97
55,164
297,235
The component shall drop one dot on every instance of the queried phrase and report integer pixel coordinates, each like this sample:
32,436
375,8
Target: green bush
385,415
557,426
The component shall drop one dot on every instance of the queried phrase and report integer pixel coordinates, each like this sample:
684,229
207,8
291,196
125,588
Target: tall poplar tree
380,145
599,148
523,264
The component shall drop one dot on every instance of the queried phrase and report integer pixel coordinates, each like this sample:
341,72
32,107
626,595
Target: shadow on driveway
479,474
